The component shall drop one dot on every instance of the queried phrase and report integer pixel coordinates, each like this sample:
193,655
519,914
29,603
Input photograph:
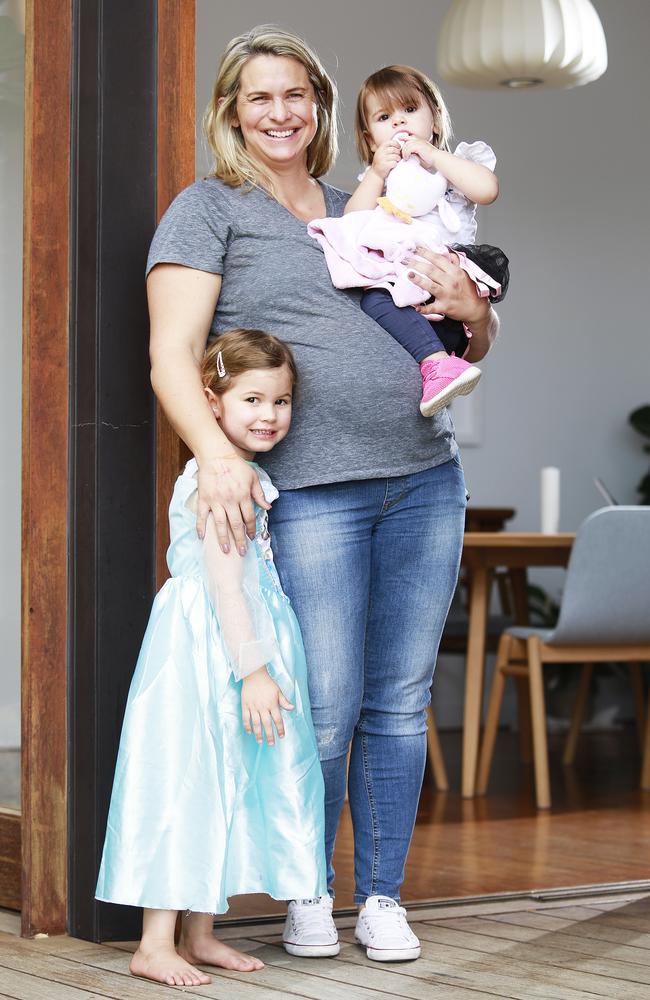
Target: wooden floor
583,949
534,943
598,830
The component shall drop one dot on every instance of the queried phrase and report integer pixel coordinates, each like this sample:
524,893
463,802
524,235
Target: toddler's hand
386,157
425,152
261,701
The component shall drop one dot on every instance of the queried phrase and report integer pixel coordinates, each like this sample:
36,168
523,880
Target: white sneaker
309,929
383,930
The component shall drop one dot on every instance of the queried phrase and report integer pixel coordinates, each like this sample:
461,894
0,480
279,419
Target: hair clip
221,368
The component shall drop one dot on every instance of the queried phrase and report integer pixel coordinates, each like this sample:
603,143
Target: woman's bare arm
182,301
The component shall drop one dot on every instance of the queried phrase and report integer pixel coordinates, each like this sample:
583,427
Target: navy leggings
411,329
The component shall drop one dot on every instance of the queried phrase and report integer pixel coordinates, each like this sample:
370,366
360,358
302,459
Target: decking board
579,949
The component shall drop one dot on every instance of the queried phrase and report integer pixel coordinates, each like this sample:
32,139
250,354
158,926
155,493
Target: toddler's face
415,118
255,410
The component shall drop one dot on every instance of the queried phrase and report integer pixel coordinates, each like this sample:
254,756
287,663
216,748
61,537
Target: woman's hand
261,701
452,290
228,486
453,293
386,157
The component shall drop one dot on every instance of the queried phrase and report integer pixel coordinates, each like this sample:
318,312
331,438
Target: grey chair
605,616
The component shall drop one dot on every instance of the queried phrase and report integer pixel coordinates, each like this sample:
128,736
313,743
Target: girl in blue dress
218,789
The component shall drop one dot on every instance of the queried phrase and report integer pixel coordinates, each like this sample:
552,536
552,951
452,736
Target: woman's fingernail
225,548
242,550
411,274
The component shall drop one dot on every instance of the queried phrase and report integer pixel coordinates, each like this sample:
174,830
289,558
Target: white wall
573,215
11,183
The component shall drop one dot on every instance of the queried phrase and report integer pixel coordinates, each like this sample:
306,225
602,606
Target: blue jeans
370,568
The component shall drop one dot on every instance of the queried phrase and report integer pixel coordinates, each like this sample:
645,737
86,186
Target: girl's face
276,110
255,410
415,118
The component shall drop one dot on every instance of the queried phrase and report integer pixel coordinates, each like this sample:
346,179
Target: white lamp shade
519,43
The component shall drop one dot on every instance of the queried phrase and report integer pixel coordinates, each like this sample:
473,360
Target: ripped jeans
370,568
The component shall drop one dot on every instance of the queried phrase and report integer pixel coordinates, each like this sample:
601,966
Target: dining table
483,553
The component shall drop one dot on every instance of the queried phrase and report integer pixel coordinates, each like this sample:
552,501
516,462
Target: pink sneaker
443,379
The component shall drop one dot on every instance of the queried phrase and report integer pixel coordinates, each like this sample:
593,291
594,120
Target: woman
368,527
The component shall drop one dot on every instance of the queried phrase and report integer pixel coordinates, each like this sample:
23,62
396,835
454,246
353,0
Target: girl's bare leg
199,945
157,958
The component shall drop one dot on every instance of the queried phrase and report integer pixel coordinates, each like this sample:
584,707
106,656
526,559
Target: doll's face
255,410
415,118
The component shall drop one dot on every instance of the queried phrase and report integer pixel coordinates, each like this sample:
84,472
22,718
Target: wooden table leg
519,584
474,671
519,581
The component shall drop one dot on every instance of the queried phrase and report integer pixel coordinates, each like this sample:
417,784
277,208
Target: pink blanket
366,249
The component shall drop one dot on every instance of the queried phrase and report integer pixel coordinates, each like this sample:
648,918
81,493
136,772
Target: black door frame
133,81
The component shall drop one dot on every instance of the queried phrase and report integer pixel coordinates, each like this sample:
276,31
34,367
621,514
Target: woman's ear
235,121
213,401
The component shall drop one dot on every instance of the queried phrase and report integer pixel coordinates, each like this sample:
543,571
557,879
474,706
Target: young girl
401,115
206,802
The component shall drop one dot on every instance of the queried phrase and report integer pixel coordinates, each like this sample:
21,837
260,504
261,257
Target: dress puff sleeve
477,152
245,623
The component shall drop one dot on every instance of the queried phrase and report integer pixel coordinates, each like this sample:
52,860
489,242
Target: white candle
550,500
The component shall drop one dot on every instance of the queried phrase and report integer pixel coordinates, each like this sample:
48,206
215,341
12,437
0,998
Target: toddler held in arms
415,197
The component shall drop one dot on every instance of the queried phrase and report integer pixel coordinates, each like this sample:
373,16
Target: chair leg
492,717
538,719
523,715
434,751
584,684
645,767
636,678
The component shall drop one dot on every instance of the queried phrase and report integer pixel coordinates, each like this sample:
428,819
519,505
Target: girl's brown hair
396,86
232,162
239,351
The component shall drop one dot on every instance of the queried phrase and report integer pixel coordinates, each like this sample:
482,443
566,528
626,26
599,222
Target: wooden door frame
70,733
46,302
176,168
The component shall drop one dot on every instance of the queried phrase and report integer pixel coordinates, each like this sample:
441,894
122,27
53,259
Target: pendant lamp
521,43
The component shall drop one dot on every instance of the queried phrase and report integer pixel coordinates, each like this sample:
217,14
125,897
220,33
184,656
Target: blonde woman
368,526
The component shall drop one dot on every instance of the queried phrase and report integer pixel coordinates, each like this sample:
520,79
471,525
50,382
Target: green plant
640,420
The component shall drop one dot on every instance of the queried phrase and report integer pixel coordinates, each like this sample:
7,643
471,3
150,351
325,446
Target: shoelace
393,921
311,918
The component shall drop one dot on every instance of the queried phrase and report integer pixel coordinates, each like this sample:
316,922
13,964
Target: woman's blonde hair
232,163
396,86
239,351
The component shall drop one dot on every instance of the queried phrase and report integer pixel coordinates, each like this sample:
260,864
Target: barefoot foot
207,950
164,965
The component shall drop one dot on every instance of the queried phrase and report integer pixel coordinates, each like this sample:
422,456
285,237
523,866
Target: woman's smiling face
276,110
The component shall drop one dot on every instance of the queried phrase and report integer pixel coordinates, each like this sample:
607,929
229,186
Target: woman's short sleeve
194,231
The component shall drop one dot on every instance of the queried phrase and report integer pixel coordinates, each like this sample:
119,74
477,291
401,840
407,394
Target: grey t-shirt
356,410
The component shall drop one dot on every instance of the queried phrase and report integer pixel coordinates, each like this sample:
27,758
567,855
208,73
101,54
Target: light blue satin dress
200,811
